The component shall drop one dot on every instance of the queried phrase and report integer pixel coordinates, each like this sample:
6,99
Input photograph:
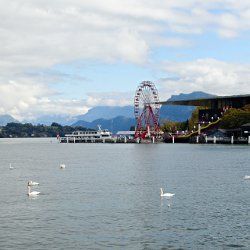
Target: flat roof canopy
213,102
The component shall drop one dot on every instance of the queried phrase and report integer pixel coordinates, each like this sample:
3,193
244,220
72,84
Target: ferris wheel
146,109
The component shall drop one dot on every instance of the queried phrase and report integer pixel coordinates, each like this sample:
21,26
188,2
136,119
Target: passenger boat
100,135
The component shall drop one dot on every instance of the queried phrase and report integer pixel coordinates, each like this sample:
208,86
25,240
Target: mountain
179,112
193,95
4,119
122,118
100,112
49,119
107,112
116,124
170,112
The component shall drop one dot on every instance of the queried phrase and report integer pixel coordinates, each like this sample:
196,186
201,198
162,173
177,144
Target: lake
108,196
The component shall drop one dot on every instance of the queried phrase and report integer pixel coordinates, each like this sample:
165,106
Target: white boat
100,135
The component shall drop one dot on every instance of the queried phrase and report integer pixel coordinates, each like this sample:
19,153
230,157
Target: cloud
26,100
18,98
41,35
208,75
110,99
35,36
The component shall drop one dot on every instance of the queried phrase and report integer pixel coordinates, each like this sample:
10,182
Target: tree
170,126
54,124
194,119
234,118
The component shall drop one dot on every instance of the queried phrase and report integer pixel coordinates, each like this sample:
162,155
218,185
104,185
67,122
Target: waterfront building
214,107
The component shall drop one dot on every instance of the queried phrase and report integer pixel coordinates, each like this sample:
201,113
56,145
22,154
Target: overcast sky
66,56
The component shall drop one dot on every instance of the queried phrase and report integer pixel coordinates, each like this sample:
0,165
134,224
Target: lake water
108,196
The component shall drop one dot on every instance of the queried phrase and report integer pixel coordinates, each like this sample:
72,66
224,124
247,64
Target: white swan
169,195
247,177
62,166
33,193
11,166
32,183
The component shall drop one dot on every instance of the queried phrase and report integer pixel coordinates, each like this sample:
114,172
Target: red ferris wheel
146,108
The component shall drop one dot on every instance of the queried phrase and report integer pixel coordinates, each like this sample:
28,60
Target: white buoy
169,195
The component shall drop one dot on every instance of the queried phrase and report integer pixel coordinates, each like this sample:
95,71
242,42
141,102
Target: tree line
15,130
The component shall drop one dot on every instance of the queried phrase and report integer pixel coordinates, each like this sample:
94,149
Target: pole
214,139
199,129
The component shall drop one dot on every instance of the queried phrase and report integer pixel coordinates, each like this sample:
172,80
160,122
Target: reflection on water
166,201
108,196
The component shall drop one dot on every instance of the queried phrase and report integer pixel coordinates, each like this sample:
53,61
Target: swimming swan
169,195
247,177
32,183
11,166
62,166
33,193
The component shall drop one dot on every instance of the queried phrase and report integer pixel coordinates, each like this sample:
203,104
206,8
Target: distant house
221,133
128,134
217,133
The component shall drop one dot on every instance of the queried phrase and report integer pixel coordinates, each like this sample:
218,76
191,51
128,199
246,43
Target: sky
65,57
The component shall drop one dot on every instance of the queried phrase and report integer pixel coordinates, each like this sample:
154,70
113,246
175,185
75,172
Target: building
214,107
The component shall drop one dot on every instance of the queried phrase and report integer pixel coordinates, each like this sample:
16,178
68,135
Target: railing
201,129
